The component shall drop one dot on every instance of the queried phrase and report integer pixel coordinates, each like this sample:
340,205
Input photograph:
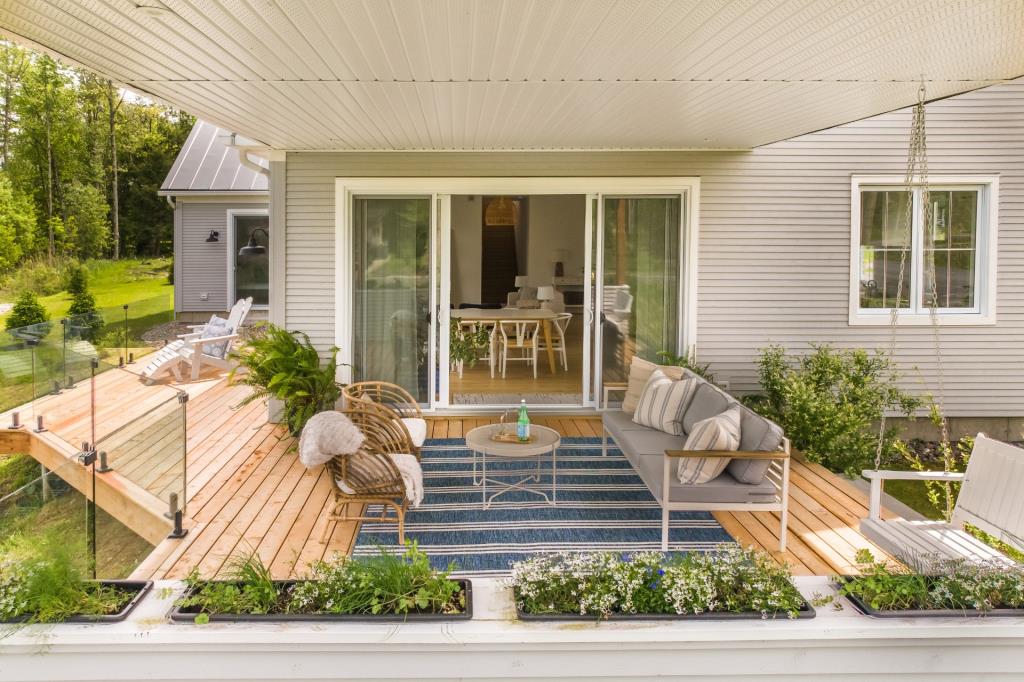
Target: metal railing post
126,333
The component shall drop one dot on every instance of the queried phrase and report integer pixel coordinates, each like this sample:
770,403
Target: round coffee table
545,442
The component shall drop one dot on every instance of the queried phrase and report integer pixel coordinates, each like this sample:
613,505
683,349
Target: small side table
546,442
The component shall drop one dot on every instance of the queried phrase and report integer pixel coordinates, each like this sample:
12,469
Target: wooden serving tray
512,438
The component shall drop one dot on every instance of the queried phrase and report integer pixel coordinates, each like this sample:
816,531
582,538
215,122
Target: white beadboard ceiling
531,74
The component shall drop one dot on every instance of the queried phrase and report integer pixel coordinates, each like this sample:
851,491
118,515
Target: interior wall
556,233
467,227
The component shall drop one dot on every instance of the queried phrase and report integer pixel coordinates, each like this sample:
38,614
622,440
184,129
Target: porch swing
990,494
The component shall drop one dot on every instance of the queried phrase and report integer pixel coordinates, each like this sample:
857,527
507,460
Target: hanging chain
917,170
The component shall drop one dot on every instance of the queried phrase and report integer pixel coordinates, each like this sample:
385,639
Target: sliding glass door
391,297
638,300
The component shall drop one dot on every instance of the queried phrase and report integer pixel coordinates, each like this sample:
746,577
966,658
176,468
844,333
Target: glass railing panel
149,451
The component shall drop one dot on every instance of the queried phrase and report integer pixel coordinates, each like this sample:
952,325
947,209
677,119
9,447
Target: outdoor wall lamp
214,237
253,248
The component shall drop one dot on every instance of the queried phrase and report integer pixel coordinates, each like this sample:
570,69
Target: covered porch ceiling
531,74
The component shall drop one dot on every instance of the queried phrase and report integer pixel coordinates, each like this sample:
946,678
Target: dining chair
558,343
518,335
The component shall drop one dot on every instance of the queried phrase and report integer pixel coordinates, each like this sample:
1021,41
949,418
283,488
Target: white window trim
233,250
987,258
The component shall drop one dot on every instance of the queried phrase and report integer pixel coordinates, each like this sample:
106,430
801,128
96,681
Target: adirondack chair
990,499
194,350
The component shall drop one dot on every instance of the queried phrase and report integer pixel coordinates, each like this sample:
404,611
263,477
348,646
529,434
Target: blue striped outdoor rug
602,505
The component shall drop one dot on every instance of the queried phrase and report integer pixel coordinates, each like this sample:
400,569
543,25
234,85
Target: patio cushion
721,432
639,372
707,402
649,442
663,402
417,430
756,434
217,326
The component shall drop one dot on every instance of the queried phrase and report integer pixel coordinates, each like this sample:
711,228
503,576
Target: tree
84,317
13,62
78,279
27,311
115,209
17,225
88,231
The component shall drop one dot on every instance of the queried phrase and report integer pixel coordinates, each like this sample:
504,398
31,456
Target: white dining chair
518,335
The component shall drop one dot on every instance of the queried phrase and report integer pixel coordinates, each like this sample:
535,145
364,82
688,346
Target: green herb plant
729,579
465,345
284,365
248,588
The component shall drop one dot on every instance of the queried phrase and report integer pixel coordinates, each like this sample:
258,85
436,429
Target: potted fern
282,364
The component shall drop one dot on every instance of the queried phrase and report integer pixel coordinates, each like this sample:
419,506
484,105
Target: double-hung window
911,259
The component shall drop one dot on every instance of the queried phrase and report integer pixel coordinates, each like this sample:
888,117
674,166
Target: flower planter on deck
187,614
138,588
867,610
806,612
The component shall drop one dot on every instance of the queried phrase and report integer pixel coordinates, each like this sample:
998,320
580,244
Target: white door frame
439,190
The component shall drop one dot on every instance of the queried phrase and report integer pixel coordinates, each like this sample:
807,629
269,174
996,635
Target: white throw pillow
639,372
721,432
216,327
663,403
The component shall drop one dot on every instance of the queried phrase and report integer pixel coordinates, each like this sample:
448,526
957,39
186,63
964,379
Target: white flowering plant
729,579
934,583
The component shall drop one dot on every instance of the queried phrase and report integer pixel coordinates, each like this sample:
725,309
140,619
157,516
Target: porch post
278,268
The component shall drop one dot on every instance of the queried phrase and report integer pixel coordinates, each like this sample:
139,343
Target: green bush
77,277
84,316
830,401
284,365
36,276
27,311
688,361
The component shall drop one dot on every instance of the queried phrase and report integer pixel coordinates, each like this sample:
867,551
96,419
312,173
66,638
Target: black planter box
867,610
140,587
806,612
187,614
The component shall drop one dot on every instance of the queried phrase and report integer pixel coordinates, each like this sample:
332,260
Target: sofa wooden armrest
730,454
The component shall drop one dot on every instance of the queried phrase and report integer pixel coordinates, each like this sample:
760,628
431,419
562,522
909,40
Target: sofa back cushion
708,401
720,432
756,434
639,372
663,403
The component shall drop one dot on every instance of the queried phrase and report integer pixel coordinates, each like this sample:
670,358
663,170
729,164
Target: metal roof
538,74
206,163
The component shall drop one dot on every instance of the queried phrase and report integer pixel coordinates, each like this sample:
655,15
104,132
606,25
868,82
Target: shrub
36,276
77,277
728,580
688,361
284,365
27,311
830,401
84,317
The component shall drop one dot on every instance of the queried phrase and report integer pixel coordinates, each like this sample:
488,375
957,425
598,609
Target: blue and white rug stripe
602,505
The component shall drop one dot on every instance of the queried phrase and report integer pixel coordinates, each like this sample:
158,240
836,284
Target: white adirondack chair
991,498
193,349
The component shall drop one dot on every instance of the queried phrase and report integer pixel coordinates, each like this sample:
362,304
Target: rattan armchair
401,404
369,476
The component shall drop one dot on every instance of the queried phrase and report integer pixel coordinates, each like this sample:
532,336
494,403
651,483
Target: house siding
201,267
774,247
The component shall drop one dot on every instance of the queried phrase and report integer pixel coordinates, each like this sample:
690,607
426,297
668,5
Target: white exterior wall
774,250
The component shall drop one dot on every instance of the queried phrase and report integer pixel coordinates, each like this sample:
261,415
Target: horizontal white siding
201,267
774,241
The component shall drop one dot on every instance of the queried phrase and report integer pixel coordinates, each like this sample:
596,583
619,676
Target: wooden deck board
247,491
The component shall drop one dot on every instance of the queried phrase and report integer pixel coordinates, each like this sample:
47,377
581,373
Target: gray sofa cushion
708,401
756,434
617,421
649,442
722,488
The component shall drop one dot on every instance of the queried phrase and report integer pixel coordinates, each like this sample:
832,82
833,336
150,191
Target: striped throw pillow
663,402
721,432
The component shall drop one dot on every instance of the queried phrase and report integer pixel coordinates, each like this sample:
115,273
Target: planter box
806,612
867,610
187,614
139,587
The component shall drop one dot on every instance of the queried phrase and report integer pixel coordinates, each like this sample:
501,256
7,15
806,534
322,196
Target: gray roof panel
207,164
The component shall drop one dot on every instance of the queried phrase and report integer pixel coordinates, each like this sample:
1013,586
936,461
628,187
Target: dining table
541,315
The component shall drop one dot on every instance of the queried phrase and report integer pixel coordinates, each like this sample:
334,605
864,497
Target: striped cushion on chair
721,432
663,402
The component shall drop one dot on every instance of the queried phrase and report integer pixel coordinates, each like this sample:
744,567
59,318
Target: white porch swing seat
990,499
194,350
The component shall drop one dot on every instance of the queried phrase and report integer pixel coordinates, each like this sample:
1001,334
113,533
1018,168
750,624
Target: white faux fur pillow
325,435
721,432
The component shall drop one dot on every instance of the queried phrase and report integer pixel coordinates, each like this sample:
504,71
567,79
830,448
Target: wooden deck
247,491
